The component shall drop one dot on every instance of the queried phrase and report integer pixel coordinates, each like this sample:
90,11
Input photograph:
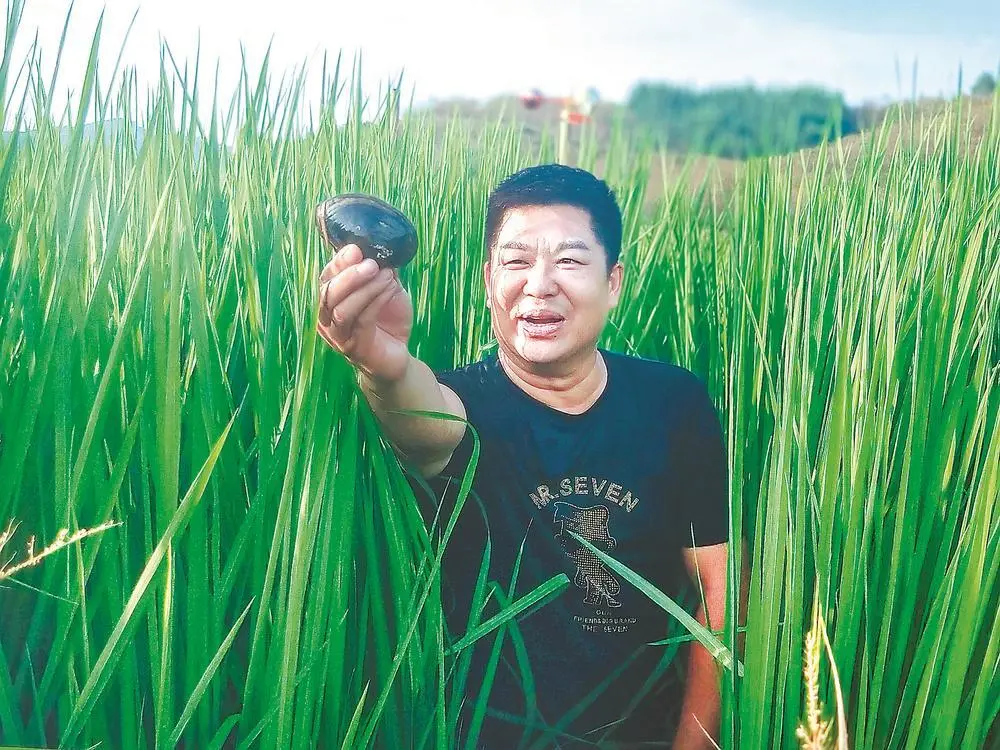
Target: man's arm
367,315
425,441
702,699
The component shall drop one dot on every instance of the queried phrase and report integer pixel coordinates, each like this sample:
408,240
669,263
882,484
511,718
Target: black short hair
558,184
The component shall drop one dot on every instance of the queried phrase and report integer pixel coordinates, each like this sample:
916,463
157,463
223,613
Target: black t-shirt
637,474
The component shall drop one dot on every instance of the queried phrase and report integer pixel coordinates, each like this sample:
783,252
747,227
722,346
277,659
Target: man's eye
569,261
514,262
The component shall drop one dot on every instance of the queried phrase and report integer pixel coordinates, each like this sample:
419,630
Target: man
577,442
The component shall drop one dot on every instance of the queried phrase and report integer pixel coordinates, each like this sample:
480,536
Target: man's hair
558,184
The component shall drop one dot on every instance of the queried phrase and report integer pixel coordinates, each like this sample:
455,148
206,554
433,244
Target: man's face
548,286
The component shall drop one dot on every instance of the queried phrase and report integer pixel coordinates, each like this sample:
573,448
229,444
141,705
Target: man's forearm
702,700
421,439
701,710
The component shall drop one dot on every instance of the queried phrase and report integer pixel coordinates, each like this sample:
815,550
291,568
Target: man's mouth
540,324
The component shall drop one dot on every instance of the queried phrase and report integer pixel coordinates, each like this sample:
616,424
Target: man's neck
572,388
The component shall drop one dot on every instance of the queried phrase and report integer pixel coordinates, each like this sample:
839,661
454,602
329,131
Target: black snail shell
381,230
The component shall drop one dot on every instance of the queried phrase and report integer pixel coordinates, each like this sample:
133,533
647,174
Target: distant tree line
985,85
739,122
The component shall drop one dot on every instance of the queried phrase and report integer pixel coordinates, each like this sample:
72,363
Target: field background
268,582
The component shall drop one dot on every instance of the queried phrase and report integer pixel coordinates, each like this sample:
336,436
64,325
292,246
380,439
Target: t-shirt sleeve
703,482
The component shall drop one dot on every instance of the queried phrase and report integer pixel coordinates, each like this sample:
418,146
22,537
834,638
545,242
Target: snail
381,230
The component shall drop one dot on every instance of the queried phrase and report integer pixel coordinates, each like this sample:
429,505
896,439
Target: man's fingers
328,272
345,313
347,256
324,308
340,313
370,314
345,283
342,260
324,331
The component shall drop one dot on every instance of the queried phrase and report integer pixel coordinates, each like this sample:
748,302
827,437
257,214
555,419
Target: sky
866,49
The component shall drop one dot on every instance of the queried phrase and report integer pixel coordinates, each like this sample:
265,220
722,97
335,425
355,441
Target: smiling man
577,443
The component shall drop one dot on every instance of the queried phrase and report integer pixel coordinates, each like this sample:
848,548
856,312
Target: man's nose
540,281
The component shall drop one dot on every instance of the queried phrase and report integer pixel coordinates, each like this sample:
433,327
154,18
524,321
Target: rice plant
264,576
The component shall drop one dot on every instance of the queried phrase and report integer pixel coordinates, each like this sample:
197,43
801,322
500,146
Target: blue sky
447,48
963,18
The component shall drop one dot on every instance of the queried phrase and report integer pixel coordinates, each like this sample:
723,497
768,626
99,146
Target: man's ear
486,281
615,282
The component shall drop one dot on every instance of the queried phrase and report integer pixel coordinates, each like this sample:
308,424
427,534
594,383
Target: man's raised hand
365,314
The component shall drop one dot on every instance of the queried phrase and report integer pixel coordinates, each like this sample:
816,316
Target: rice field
260,576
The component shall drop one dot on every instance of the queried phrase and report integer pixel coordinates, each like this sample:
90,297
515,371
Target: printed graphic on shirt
577,486
592,575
